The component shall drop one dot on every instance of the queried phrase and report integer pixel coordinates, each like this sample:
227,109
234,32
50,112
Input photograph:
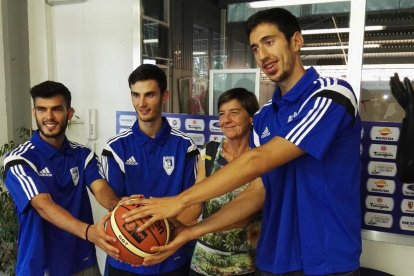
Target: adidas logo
45,172
265,133
131,161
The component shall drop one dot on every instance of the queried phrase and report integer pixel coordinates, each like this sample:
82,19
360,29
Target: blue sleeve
114,171
23,182
190,166
317,124
93,169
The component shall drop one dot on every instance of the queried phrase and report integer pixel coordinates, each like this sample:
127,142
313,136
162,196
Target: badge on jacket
168,164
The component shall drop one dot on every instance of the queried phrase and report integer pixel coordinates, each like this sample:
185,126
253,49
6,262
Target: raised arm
236,213
58,216
245,168
104,194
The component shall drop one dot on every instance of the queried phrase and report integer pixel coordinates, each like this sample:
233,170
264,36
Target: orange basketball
135,245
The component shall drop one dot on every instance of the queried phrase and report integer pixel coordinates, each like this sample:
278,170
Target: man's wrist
86,232
184,200
113,205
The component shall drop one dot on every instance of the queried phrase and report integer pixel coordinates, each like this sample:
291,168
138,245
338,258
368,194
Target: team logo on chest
168,164
75,175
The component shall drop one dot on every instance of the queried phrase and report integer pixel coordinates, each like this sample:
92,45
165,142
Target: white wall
391,258
90,48
3,114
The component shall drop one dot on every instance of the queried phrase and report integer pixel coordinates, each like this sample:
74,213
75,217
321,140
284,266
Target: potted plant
8,217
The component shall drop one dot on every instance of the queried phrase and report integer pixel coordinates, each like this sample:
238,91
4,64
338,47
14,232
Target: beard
59,131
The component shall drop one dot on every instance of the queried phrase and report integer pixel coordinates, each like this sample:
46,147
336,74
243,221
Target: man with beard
48,177
153,160
307,141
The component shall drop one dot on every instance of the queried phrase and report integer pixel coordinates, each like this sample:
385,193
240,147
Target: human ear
297,41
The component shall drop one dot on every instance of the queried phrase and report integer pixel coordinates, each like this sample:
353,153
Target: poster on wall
201,128
387,204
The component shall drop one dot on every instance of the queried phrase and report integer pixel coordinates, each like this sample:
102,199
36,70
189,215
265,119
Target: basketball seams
155,237
167,228
117,232
132,250
126,248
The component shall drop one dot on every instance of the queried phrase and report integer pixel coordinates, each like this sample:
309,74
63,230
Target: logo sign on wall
387,204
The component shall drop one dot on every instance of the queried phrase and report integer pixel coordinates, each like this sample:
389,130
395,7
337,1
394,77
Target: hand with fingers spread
403,93
96,234
405,152
155,209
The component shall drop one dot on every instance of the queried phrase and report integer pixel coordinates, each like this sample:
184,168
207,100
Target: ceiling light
199,53
279,3
340,30
152,40
321,48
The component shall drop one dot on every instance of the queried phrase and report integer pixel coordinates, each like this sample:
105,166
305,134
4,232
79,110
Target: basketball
134,245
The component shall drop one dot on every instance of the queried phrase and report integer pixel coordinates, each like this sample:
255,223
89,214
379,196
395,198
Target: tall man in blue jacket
307,141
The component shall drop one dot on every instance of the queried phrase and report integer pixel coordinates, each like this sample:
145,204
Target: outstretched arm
236,213
245,168
104,194
58,216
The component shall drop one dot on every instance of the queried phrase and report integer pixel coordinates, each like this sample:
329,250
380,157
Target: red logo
385,131
380,183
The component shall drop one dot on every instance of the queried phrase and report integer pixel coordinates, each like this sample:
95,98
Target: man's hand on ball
182,235
96,234
154,209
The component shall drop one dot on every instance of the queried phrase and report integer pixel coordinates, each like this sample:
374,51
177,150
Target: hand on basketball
154,209
182,235
97,235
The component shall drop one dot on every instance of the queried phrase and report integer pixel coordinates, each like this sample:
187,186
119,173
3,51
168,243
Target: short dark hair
48,89
283,19
149,72
246,98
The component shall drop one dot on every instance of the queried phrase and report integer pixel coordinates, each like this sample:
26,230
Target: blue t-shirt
36,167
311,217
162,166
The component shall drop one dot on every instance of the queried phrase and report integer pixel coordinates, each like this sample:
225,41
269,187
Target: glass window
388,50
156,9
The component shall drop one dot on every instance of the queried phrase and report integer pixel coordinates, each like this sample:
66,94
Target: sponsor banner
382,168
407,223
408,189
216,137
384,186
214,126
205,126
407,206
194,124
175,123
126,120
387,203
382,151
379,203
385,133
198,138
378,219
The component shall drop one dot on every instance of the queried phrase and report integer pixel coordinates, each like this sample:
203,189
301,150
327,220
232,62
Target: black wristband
86,232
